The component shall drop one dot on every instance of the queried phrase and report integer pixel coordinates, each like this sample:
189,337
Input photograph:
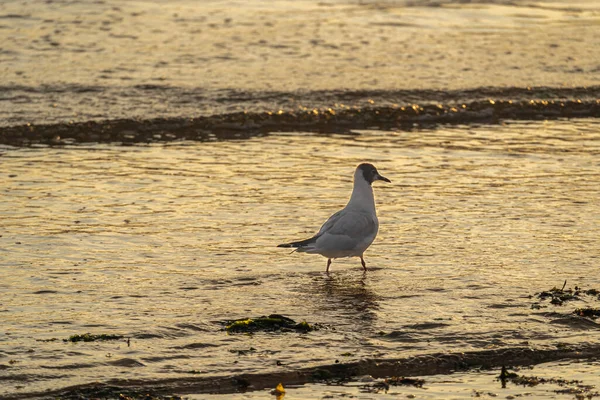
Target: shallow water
161,243
84,60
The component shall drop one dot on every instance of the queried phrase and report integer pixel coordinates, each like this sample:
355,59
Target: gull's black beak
383,178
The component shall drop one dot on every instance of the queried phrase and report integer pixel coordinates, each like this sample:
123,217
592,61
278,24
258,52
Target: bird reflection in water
346,296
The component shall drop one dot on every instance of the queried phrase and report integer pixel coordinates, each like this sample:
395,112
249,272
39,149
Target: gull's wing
345,231
311,241
329,223
352,224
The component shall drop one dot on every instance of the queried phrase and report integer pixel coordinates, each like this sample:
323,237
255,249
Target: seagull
350,231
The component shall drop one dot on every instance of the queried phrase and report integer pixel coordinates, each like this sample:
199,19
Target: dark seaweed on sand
271,323
393,381
243,352
588,312
560,296
524,380
114,392
88,337
402,381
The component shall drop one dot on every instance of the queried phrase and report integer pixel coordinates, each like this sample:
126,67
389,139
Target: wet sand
336,374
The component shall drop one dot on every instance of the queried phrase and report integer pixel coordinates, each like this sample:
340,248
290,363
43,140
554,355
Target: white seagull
350,231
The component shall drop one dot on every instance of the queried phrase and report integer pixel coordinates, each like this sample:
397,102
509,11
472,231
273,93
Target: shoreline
330,112
424,365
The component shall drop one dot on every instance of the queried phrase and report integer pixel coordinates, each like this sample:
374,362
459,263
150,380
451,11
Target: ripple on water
469,234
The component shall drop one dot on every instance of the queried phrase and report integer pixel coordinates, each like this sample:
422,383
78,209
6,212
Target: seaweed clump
524,380
113,392
271,323
88,337
146,396
559,296
588,312
243,352
385,384
396,381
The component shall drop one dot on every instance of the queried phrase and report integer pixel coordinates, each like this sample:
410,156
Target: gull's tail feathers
301,245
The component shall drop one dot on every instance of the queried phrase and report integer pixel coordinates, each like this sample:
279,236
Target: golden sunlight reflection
477,220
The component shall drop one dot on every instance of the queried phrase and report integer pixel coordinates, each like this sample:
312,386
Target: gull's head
368,173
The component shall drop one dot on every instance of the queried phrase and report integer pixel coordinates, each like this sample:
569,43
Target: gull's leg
362,261
328,264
